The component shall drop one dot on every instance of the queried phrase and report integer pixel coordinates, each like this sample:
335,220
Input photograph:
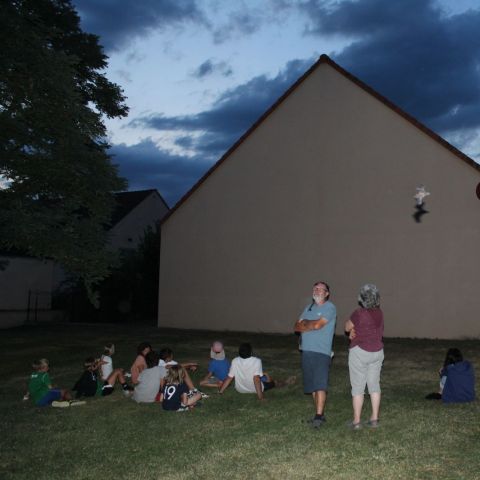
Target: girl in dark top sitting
457,379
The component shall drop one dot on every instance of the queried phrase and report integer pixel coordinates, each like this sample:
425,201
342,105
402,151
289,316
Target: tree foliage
130,293
56,175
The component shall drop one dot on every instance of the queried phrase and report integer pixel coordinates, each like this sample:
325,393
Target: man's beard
317,298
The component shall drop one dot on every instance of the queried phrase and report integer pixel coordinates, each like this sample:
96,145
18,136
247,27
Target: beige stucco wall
24,274
21,276
323,190
130,230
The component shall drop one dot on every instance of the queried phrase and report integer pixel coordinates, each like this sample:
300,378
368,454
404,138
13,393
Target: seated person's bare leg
117,374
66,395
190,402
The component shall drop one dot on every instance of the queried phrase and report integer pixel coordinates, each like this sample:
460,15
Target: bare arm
302,326
225,384
258,386
350,329
349,326
190,366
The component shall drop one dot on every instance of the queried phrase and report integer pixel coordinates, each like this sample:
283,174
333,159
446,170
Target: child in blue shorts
40,387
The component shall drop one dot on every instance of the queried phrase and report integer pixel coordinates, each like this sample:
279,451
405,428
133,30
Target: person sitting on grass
40,387
218,367
166,362
88,385
140,364
148,382
175,392
249,375
457,379
109,375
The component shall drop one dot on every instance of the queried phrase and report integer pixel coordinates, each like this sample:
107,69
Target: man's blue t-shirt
219,368
319,341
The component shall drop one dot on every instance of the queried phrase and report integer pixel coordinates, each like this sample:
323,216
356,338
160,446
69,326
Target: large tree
57,179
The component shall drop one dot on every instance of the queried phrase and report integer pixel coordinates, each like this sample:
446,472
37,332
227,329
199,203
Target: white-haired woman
365,358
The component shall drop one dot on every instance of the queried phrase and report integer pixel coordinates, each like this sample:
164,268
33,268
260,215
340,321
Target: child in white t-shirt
109,375
249,375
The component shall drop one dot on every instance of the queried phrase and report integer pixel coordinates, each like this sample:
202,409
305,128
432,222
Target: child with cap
218,366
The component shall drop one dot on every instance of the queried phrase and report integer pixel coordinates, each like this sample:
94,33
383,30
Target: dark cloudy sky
198,73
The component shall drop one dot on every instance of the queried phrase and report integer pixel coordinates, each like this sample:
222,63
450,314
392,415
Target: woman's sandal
354,426
373,423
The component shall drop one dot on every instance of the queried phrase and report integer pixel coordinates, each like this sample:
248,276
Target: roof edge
327,60
402,113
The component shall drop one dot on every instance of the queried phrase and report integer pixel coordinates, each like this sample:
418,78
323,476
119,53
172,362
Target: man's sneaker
317,422
127,387
183,409
60,404
127,375
128,392
204,395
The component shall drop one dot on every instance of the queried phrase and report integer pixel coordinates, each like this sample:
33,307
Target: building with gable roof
27,284
135,212
321,188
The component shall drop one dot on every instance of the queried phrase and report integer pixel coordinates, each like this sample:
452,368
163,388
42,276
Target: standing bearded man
317,327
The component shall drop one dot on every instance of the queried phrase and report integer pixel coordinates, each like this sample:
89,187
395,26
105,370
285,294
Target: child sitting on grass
88,385
249,375
457,379
218,367
175,393
148,382
40,387
109,375
140,364
166,361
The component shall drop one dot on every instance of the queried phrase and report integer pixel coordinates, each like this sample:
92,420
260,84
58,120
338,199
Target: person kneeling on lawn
249,375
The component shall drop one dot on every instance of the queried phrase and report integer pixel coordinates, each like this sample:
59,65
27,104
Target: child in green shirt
40,386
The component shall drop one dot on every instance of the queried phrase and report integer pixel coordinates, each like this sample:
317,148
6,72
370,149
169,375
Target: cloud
411,52
145,165
207,135
230,115
209,67
240,23
117,21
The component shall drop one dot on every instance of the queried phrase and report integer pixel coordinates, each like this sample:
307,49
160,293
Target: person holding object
317,327
365,357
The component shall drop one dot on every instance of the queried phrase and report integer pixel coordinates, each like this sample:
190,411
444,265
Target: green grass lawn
231,436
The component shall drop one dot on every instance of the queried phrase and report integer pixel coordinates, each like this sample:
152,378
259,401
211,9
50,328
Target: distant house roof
127,201
324,59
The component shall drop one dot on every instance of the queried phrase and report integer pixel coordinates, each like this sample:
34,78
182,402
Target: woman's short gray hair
369,296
